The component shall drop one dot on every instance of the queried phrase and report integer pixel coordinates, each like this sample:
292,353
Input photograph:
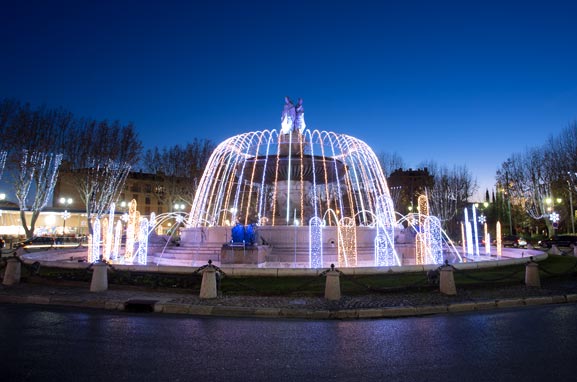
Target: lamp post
65,215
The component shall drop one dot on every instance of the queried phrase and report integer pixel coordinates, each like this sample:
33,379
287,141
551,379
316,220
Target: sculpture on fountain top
292,118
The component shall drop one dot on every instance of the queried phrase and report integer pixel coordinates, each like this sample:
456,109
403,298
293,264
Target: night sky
458,82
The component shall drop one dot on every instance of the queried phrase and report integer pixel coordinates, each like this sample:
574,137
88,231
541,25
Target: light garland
316,225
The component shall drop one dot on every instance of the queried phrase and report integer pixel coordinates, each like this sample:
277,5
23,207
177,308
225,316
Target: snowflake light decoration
482,219
554,217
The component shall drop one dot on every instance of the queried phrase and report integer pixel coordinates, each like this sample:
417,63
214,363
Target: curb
235,311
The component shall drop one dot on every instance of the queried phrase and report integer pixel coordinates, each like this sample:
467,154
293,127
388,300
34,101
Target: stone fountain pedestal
241,254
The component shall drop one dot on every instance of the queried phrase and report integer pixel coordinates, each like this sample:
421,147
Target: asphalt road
56,344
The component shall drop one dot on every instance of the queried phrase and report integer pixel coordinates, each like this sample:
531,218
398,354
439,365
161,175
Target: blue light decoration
316,225
249,234
237,234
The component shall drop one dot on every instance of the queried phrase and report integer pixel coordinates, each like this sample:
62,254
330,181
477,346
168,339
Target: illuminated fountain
311,196
287,198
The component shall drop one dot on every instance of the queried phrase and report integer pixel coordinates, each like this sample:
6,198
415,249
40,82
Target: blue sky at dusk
458,82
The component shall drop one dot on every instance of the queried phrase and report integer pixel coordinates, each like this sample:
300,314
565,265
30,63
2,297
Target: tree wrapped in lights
99,185
40,170
178,170
98,162
450,190
525,180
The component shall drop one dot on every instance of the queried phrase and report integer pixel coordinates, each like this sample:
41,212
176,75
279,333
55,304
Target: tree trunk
29,231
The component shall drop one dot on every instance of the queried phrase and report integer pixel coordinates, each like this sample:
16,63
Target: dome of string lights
290,176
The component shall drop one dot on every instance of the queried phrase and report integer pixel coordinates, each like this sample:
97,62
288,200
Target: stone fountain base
241,254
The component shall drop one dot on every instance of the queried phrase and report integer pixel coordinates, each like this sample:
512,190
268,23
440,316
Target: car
38,240
513,241
559,241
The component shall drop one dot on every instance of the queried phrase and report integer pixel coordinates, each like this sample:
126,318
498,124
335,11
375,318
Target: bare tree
450,192
178,170
99,160
390,162
526,181
41,170
34,138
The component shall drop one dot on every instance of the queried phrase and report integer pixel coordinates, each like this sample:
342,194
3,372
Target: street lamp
65,215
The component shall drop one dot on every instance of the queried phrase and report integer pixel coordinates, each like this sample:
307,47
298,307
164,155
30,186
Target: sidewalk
371,305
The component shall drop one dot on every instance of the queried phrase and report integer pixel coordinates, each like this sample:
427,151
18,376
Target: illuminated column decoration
420,248
152,223
423,209
421,241
385,255
469,235
487,239
463,238
117,239
381,246
104,237
142,251
131,231
433,240
95,245
475,232
347,242
109,233
498,235
316,225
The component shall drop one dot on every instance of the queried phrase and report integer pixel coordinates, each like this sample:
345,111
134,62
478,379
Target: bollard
208,284
575,250
12,272
99,281
532,275
554,250
333,284
447,281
